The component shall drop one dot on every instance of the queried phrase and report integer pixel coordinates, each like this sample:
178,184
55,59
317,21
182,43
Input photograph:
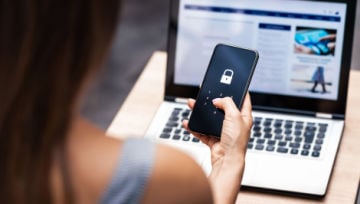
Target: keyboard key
299,127
322,129
294,151
185,114
281,143
267,129
256,128
186,138
304,152
311,128
323,124
173,119
251,139
187,110
309,134
175,113
278,131
258,118
257,134
321,135
278,137
250,146
294,145
289,121
309,137
165,136
271,142
186,132
176,137
195,139
268,135
282,150
259,147
267,123
260,141
256,122
270,148
317,147
172,124
177,131
288,138
306,146
315,154
298,132
167,130
288,125
288,132
319,141
277,124
298,139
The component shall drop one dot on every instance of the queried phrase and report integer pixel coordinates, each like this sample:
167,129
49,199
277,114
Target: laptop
298,90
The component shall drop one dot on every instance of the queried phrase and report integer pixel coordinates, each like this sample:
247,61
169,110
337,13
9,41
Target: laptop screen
305,50
300,43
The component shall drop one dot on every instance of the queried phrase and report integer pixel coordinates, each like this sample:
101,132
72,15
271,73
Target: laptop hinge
181,100
170,98
324,115
176,99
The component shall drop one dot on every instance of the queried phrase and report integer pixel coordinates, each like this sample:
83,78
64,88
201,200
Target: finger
328,37
331,46
191,103
226,104
203,138
209,141
212,141
246,107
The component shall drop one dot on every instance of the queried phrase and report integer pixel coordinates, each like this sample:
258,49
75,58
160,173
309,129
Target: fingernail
215,100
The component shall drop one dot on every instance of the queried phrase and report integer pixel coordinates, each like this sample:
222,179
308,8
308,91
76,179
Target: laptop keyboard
267,134
287,136
173,128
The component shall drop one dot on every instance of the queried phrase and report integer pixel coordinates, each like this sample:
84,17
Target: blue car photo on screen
315,41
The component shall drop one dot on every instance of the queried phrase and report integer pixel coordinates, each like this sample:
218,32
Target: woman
49,51
318,78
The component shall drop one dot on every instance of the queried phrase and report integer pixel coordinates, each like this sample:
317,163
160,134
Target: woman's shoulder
176,178
171,176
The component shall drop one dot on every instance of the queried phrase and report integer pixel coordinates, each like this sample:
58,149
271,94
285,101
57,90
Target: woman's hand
228,152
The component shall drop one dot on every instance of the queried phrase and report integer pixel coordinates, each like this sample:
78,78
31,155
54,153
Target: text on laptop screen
300,42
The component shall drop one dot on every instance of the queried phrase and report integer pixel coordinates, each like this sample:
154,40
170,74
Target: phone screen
228,74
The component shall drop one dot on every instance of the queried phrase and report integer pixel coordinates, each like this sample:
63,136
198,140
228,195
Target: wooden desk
140,106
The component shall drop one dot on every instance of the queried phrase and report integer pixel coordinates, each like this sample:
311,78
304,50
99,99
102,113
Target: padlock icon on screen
227,76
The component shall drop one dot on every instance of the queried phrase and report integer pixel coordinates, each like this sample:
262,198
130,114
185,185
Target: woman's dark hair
47,50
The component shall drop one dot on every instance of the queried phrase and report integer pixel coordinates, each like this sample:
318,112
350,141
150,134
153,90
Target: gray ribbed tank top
132,172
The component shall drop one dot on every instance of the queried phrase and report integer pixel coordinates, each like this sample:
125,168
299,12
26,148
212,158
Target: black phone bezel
251,73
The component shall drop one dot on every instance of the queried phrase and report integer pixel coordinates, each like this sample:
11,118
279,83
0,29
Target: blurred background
142,30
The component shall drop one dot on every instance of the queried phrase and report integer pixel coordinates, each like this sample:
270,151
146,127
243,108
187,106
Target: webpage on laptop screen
300,42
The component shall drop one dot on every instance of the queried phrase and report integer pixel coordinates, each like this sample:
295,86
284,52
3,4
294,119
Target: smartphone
229,74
